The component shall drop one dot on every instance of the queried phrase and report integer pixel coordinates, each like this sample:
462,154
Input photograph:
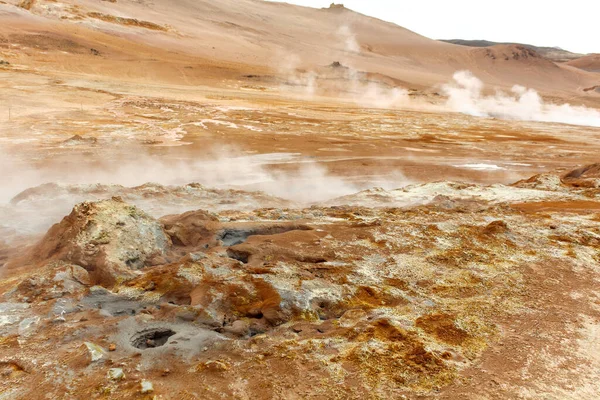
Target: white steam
342,80
221,168
348,38
373,94
283,175
465,95
296,80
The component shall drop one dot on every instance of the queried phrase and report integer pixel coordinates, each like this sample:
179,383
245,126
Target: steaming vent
152,338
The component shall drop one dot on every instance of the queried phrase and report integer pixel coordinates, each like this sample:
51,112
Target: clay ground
189,123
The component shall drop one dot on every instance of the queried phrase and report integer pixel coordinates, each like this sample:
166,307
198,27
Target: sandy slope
590,62
194,42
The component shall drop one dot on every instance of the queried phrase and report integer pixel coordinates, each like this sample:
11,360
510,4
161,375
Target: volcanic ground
180,219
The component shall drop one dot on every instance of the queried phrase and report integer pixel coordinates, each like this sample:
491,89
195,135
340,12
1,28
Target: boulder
115,374
584,177
111,239
192,229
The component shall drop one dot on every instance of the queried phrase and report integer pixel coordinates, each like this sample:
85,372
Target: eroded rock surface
110,239
473,286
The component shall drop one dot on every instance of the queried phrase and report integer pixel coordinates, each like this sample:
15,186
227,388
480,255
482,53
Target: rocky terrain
253,200
471,289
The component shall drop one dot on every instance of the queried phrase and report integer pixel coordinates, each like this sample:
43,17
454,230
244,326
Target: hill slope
590,62
198,42
555,54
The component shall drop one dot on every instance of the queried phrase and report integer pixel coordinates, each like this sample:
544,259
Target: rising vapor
465,95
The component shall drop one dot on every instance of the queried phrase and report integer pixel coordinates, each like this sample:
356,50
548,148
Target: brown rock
110,239
495,228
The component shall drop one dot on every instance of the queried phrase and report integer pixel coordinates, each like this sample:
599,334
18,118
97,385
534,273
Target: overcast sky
570,24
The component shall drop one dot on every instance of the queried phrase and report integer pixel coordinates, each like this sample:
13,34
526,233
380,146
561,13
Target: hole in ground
239,255
232,237
152,338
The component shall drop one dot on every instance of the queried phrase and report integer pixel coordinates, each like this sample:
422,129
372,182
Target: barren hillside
192,42
552,53
590,62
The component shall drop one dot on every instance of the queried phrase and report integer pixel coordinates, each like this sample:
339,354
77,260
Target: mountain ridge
555,54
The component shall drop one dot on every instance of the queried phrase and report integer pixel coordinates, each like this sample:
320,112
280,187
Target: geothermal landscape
255,200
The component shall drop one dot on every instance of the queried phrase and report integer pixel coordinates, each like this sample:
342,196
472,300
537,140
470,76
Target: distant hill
204,42
555,54
591,63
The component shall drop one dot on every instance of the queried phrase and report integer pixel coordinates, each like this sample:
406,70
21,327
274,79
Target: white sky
573,25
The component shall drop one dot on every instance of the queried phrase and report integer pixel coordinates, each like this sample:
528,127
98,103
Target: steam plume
465,95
